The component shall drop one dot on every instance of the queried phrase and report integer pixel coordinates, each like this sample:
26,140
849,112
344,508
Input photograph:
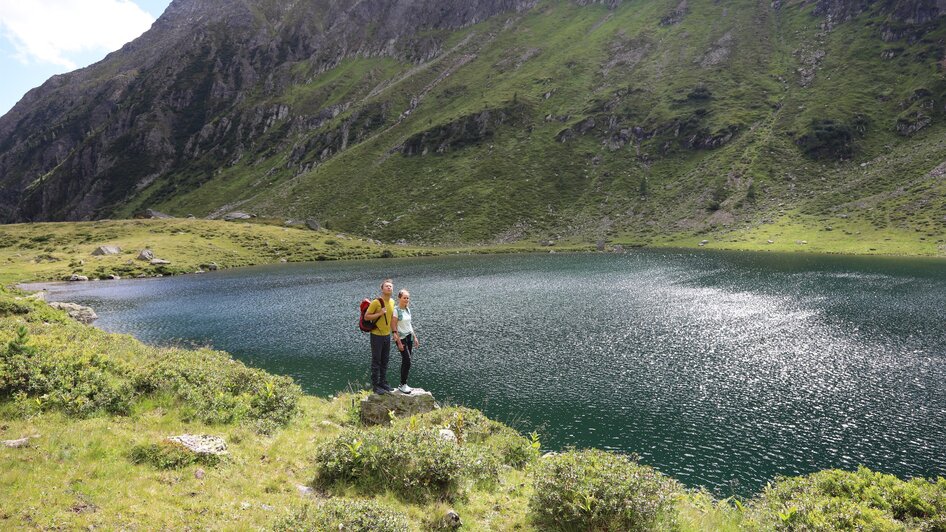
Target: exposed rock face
375,408
77,312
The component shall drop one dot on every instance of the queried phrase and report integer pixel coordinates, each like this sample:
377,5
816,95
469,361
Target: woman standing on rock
404,335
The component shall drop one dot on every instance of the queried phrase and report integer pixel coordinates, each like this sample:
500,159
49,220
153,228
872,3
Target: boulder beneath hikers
77,312
107,250
201,444
146,254
375,408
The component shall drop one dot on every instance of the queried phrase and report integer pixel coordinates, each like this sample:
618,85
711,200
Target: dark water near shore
721,369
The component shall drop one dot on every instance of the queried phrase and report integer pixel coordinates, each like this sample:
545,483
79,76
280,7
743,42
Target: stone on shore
146,254
375,408
107,250
159,262
76,277
77,312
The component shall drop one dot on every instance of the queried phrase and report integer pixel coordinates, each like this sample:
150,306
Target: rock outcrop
201,444
376,409
77,312
107,250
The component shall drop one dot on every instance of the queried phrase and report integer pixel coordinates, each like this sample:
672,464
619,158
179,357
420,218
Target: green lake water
721,369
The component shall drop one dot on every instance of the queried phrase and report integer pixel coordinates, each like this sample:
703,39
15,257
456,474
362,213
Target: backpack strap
384,309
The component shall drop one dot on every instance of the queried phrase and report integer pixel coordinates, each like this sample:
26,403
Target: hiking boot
404,389
386,387
379,390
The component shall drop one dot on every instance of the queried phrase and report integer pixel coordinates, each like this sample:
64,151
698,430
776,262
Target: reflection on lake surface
721,369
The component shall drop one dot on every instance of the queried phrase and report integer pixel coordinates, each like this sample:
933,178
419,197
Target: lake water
721,369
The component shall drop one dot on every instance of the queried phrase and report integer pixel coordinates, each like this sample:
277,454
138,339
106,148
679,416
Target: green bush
213,388
840,500
596,490
82,371
170,455
473,427
827,139
344,514
78,384
417,464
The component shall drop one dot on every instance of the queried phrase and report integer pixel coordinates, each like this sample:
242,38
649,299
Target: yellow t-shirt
383,324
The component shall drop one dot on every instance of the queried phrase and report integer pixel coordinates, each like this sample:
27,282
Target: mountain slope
500,120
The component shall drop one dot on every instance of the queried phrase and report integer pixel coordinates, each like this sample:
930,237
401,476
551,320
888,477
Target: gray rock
230,216
114,277
450,520
158,262
212,267
201,444
704,242
375,408
77,312
313,224
145,254
619,248
107,250
17,444
304,490
448,435
199,474
150,213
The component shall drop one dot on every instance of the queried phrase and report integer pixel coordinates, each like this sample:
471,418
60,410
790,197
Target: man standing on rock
381,310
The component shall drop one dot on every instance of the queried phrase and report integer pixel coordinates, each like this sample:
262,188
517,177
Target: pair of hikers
396,319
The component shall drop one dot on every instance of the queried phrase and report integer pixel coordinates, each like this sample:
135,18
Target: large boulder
313,224
77,312
375,409
230,216
146,254
107,250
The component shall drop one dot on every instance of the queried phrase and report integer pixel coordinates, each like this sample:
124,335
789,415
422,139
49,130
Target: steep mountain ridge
500,119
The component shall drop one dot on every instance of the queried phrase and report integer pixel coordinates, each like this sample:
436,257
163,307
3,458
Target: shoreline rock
375,409
77,312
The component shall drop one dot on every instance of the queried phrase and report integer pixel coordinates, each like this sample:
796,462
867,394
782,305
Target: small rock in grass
448,435
201,444
157,262
304,490
17,444
199,474
245,505
451,520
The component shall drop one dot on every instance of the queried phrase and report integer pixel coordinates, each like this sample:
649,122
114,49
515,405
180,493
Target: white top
404,327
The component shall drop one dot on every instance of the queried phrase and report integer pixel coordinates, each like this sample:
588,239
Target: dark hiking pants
380,353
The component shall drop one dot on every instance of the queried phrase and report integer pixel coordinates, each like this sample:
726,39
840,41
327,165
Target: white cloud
50,31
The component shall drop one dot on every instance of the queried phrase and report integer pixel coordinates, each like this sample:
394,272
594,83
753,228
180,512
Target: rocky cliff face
507,114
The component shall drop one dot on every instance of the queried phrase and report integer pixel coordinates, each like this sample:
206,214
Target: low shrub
417,464
596,490
344,514
840,500
79,384
82,371
170,455
471,426
213,388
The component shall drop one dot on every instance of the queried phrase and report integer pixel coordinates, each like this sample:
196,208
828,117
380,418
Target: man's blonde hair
387,281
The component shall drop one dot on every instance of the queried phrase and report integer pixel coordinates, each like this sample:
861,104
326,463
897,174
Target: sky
41,38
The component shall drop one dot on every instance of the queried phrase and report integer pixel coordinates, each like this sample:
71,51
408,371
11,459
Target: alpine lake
720,369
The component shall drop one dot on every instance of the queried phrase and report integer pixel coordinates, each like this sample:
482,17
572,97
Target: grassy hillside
55,251
97,407
584,122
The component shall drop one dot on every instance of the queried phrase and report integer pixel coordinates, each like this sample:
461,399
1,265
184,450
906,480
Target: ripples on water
720,369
